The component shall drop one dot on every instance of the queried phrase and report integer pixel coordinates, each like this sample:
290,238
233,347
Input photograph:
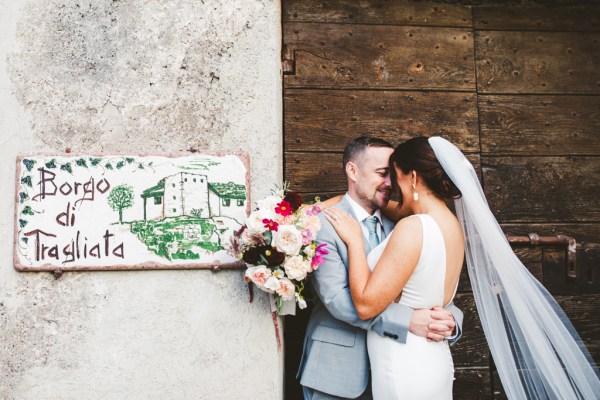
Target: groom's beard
377,200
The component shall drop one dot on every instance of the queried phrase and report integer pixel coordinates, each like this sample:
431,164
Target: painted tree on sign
120,197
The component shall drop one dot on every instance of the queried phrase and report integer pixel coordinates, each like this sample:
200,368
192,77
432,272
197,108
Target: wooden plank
500,18
472,383
587,268
379,56
541,125
542,189
377,12
319,173
499,393
472,349
315,172
329,119
537,62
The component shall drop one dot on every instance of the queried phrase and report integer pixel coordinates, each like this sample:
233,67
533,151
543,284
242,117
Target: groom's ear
351,170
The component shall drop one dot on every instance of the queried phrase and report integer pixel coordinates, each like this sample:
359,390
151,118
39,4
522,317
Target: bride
537,351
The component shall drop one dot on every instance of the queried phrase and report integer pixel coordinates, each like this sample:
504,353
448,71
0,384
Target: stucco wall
137,76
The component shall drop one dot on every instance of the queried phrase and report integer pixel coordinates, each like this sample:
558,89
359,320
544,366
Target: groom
335,363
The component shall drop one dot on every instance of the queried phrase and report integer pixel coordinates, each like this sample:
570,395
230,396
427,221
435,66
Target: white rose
268,204
254,222
296,268
288,240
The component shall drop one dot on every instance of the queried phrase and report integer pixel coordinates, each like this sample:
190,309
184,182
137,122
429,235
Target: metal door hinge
288,63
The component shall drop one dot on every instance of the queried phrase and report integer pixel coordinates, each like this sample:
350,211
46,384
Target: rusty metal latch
533,239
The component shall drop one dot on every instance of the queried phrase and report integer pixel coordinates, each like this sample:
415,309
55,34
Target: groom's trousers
311,394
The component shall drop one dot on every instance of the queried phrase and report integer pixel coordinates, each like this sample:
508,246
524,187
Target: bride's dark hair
417,155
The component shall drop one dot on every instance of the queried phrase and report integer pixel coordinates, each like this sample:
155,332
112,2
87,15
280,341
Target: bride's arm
373,292
332,201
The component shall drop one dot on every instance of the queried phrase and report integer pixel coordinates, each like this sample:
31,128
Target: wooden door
515,88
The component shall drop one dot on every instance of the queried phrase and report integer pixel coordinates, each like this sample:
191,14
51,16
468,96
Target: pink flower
312,223
270,224
318,259
285,220
313,210
307,237
283,208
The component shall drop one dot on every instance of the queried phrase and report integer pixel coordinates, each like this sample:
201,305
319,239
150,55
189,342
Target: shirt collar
360,213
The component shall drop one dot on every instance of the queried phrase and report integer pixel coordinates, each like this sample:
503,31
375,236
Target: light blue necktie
371,224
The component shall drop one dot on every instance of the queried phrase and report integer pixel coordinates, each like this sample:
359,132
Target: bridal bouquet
278,245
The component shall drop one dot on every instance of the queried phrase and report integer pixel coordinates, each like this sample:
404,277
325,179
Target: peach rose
286,289
258,275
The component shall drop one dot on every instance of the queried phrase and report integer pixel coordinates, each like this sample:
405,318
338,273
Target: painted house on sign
189,194
227,200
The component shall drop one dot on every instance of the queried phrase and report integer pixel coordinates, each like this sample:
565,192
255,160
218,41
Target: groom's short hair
357,147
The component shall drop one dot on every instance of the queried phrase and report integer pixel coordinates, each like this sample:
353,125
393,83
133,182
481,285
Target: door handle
560,240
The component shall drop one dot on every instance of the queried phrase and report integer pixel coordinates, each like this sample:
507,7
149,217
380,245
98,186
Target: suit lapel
345,206
388,226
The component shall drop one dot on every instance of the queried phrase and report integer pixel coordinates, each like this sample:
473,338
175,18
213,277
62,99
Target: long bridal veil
537,352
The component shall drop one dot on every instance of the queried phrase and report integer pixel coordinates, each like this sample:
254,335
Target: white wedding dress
417,369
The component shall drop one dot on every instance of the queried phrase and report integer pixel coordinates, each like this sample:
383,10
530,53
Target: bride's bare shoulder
408,227
406,239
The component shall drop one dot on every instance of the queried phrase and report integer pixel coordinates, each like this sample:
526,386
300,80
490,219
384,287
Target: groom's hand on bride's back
435,324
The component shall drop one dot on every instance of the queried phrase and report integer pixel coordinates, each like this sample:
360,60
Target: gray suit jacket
335,360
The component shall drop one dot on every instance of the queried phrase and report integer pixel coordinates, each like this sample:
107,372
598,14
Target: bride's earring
415,194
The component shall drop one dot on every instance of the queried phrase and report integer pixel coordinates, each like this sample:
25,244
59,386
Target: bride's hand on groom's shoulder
346,227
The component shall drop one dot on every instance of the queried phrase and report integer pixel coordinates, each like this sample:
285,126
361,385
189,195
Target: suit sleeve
330,281
458,318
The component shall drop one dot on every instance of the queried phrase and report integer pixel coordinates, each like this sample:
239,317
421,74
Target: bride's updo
417,155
